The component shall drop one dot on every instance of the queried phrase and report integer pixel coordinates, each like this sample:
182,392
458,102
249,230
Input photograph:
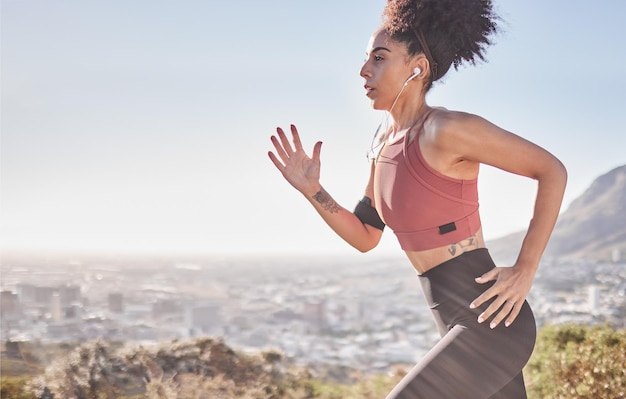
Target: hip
450,287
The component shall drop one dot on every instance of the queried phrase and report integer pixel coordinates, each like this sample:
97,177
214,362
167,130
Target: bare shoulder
468,139
441,143
447,127
466,134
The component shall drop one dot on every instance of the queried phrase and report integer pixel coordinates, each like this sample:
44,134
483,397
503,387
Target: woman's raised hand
300,170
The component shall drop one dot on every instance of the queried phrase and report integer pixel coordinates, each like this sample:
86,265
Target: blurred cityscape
363,312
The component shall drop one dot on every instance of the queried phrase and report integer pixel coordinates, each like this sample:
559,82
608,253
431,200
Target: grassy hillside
570,361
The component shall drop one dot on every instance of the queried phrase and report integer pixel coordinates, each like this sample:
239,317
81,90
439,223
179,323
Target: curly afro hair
448,32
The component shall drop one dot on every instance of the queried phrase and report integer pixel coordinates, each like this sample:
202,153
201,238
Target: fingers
491,275
283,147
275,161
507,308
317,149
517,307
285,141
296,138
279,151
505,303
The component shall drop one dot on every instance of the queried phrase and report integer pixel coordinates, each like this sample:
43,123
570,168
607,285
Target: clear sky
144,125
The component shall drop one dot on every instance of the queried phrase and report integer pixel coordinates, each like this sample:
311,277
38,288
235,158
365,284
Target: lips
369,90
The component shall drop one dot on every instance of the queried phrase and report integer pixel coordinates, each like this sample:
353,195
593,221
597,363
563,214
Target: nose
364,72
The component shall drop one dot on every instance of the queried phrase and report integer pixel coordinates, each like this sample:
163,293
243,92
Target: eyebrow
380,48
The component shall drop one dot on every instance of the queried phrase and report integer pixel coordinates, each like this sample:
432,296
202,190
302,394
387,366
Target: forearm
343,222
550,190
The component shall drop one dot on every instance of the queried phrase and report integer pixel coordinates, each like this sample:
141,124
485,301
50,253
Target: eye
378,58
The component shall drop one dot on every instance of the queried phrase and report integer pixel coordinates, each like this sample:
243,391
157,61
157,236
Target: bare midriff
423,261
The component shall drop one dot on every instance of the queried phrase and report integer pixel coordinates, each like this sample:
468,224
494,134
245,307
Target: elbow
366,239
553,172
364,249
366,245
561,173
564,171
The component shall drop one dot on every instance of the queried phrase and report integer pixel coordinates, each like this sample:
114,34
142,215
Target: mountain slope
592,227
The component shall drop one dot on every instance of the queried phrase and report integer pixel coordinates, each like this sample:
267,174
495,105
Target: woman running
423,185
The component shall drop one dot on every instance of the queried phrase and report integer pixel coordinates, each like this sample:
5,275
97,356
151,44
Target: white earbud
416,73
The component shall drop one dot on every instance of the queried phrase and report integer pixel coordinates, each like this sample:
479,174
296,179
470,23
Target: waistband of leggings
477,260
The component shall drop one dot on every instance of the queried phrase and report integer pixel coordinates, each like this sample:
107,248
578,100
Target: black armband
368,214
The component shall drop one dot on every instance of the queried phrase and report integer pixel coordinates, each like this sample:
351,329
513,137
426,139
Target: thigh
472,361
514,389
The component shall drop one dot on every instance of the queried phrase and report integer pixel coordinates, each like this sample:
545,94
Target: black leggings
471,360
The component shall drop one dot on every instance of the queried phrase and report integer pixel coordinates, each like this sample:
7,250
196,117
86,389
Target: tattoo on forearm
466,245
326,201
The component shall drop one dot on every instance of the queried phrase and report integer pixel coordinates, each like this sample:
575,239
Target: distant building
64,330
34,294
204,317
31,294
594,299
616,255
74,311
10,310
315,313
116,302
166,307
9,304
69,294
56,312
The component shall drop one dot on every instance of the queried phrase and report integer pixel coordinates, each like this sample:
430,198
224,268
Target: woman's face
385,70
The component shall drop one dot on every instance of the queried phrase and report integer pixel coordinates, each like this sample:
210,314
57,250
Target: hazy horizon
144,127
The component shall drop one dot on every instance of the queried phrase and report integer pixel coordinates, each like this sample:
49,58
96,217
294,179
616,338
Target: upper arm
374,232
475,139
369,189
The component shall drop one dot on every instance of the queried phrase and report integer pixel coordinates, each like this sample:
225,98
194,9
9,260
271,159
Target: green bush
15,388
578,361
569,361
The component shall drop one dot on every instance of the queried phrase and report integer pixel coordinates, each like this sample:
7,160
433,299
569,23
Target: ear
422,63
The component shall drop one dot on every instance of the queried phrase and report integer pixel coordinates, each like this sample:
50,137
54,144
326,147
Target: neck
407,113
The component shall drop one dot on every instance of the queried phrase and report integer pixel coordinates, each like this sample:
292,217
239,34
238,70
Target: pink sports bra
424,208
